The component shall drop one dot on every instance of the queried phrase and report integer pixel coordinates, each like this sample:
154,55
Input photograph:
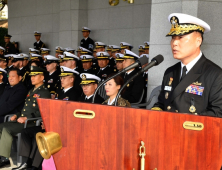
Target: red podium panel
111,140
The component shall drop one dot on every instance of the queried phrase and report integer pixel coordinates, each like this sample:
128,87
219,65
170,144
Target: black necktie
183,73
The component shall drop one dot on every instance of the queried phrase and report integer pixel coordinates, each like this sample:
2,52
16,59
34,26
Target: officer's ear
20,78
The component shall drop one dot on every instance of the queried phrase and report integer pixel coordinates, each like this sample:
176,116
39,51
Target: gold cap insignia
118,56
174,21
97,44
83,77
21,54
121,44
64,55
84,57
62,70
146,44
141,47
101,54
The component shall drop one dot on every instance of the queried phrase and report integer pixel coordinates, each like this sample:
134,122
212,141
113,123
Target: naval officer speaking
193,85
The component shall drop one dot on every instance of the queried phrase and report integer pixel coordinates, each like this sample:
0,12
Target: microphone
154,62
141,61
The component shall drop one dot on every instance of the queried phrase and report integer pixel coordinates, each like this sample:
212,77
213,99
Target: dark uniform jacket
201,88
2,88
90,71
98,99
133,90
112,63
5,76
71,94
51,81
39,45
120,102
26,79
88,43
103,74
31,109
12,100
10,48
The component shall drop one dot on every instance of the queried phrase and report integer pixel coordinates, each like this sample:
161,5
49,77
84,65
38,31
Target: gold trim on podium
193,125
88,114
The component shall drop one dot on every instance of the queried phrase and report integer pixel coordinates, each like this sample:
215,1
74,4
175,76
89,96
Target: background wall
61,22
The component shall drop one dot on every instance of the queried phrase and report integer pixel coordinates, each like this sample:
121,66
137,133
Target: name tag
168,88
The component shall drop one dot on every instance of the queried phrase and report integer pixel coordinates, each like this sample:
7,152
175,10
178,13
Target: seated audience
112,87
69,92
12,99
30,110
89,84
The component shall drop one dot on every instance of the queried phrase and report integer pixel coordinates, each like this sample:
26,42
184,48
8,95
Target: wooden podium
111,140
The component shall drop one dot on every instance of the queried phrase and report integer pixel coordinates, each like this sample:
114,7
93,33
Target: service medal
192,109
166,95
171,80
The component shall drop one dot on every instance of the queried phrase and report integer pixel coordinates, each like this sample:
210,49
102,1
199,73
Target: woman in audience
112,87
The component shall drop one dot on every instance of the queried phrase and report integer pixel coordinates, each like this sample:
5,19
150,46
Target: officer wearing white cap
52,78
17,62
193,85
89,84
134,89
87,42
109,49
125,45
147,47
25,61
2,50
69,49
2,84
59,51
35,57
141,49
115,49
44,51
87,63
38,44
70,61
119,61
105,69
61,61
34,51
9,56
100,46
69,92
